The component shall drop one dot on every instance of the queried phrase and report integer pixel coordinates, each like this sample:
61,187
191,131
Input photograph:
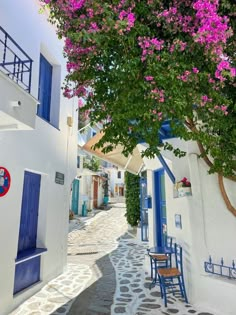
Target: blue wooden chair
173,277
162,260
170,246
157,261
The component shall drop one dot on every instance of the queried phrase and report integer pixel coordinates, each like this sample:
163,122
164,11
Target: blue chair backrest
179,257
169,242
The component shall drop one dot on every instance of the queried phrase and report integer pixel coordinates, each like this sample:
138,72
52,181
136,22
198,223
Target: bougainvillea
139,63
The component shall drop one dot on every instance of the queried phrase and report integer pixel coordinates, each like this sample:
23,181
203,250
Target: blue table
161,250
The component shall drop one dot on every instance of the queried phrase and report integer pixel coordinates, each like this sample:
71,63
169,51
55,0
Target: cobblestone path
106,274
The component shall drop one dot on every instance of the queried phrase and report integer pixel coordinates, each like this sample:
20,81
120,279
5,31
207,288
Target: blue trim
158,204
29,212
45,88
15,62
143,209
166,168
29,253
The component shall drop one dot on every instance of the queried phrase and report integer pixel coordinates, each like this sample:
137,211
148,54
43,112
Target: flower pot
184,191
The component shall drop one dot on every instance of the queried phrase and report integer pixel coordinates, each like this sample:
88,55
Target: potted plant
184,187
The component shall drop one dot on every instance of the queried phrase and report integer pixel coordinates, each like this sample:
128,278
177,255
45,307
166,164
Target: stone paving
133,295
58,294
106,274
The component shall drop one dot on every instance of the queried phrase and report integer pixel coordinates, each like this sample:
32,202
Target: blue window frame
45,88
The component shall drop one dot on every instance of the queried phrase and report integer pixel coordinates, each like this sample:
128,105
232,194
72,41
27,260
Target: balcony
17,105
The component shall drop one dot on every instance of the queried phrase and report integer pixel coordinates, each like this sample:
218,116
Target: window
45,88
119,174
78,161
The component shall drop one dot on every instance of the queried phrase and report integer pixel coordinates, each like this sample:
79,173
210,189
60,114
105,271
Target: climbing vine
132,198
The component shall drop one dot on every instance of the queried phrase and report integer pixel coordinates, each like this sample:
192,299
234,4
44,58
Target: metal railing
14,62
220,269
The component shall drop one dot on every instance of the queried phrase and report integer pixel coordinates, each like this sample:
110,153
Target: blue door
143,209
75,196
29,212
45,88
28,272
160,207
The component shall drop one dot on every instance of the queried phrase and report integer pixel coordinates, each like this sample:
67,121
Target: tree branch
225,196
189,122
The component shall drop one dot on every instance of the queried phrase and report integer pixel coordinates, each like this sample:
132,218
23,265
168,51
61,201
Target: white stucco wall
114,181
44,150
87,191
208,228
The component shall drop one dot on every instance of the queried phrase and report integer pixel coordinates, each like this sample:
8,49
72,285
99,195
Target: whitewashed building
200,222
38,152
116,181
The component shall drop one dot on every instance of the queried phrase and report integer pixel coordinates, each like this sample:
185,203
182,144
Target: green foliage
92,164
109,63
132,199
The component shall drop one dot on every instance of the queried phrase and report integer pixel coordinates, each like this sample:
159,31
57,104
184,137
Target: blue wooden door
45,87
29,212
160,207
143,209
75,196
28,272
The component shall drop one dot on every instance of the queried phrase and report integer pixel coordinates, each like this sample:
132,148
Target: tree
92,164
139,63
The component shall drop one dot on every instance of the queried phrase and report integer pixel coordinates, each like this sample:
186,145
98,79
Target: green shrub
132,199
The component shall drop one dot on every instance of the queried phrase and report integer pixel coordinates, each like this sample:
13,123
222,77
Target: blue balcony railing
220,269
14,62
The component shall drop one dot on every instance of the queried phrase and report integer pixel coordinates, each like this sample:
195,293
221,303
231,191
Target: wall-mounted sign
178,221
5,181
59,178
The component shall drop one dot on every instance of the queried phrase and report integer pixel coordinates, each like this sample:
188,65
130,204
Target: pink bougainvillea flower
149,78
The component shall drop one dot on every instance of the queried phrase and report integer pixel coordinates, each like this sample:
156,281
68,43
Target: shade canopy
133,163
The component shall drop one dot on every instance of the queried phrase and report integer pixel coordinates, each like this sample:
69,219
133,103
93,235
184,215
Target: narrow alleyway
107,274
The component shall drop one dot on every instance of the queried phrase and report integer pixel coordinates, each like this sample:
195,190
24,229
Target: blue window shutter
29,212
45,88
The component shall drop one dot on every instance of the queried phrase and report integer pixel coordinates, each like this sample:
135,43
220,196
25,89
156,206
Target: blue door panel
26,274
143,209
160,206
45,88
29,212
75,196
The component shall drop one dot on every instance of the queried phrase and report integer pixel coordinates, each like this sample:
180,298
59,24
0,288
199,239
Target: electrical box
148,202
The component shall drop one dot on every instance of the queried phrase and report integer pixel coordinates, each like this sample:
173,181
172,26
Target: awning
133,163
